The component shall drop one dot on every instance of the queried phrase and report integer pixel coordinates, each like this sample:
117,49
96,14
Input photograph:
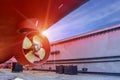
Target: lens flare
44,33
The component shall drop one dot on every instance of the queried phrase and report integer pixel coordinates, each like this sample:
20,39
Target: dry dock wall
99,51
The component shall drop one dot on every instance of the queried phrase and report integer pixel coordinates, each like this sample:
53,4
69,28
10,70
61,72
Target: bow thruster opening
35,48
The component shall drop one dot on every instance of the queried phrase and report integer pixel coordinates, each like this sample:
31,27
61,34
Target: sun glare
44,33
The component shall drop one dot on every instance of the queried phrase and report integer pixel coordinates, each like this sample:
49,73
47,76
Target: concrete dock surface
6,74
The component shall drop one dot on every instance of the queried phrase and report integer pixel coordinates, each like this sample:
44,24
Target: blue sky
93,15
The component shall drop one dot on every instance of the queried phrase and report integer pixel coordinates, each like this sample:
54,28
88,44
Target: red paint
14,19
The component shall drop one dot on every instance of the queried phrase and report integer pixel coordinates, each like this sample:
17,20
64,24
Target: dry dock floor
6,74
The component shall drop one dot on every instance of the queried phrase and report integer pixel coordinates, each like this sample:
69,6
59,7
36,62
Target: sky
93,15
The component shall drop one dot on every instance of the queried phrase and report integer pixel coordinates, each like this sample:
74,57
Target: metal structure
95,52
21,24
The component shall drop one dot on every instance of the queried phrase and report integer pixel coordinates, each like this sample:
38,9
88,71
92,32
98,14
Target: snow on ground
6,74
